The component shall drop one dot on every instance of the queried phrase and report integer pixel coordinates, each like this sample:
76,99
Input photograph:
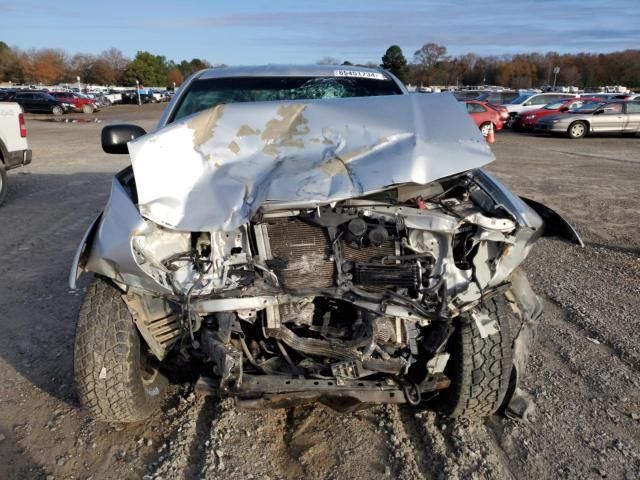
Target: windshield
521,98
588,107
207,93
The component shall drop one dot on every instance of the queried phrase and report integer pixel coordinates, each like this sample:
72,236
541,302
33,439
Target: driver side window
612,109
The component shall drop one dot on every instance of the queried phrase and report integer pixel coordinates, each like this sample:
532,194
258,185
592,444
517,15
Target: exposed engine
357,297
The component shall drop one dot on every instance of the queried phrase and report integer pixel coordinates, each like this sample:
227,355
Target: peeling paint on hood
215,169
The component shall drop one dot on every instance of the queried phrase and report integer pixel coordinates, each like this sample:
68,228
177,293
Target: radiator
301,256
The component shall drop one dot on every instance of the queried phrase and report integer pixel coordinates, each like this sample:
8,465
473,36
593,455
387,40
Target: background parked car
129,96
113,97
483,114
604,96
528,101
630,96
7,94
527,120
81,103
99,99
596,117
497,98
42,102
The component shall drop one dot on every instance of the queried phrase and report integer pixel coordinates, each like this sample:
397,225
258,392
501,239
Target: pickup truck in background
14,149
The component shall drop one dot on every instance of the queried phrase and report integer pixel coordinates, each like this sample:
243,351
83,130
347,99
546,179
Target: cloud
252,31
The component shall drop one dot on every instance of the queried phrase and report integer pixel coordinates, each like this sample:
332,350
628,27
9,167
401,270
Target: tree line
52,66
430,65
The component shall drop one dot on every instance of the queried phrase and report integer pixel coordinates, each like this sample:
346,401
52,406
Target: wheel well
586,122
3,151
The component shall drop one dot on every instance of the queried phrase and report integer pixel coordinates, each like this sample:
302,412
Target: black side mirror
115,137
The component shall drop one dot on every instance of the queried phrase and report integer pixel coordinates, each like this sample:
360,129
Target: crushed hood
213,170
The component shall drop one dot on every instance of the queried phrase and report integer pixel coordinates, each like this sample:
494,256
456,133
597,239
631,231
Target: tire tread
481,368
107,345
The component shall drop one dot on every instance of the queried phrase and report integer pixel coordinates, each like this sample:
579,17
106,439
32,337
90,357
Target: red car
83,104
527,120
485,114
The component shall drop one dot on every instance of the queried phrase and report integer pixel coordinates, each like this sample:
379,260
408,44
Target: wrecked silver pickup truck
299,234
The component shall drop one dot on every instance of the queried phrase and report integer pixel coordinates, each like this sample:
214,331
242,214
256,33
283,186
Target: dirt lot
584,374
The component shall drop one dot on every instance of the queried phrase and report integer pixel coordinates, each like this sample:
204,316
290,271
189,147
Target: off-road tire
107,359
3,182
479,368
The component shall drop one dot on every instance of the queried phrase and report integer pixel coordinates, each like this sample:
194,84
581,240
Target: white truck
14,149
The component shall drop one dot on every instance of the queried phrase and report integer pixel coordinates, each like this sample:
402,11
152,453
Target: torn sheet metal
213,170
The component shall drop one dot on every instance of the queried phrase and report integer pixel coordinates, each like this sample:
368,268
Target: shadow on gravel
21,464
43,220
198,454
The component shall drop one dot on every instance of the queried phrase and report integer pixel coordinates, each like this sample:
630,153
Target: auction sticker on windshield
358,74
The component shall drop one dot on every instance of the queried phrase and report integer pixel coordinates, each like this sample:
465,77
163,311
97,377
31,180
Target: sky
246,32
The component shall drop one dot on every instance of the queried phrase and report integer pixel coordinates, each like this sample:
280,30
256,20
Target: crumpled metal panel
213,170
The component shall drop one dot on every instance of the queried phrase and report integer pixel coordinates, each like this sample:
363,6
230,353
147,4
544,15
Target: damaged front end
349,295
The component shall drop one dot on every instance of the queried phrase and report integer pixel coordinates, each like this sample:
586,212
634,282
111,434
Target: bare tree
328,61
116,62
426,58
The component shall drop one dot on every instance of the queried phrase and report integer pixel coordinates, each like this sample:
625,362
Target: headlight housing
530,117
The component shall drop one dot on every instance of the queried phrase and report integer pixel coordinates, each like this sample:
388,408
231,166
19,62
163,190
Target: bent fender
554,224
82,252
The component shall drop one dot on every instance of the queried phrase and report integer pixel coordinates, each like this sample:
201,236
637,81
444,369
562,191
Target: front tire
485,128
113,372
479,368
87,109
577,130
57,110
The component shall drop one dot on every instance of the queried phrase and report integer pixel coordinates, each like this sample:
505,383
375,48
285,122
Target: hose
252,360
405,389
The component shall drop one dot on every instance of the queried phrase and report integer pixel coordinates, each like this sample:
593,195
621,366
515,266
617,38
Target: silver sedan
621,117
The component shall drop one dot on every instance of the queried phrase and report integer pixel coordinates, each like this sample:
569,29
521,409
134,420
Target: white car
532,101
14,150
113,97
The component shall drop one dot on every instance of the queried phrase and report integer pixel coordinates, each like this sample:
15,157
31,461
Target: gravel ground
584,374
